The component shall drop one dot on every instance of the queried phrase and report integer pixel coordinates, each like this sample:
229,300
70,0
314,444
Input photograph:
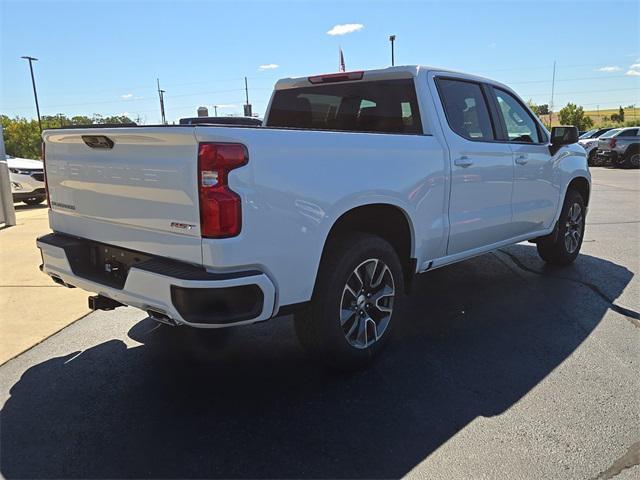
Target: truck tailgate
131,187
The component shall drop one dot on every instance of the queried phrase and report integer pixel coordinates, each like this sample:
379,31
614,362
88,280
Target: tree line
22,135
572,114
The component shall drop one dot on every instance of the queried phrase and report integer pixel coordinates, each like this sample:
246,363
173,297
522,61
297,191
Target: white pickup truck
355,183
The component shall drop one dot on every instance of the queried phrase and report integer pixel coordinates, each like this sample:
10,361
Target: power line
125,102
573,79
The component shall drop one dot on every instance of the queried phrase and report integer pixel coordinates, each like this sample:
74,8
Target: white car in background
27,180
589,141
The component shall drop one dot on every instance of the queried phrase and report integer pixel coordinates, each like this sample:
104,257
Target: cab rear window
387,106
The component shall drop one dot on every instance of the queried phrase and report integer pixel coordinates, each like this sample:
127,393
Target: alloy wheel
367,303
573,231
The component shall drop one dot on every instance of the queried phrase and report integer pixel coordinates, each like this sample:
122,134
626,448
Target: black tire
633,159
33,201
597,160
592,158
319,327
557,249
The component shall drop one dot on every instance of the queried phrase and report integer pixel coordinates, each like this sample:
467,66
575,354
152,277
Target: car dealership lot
501,368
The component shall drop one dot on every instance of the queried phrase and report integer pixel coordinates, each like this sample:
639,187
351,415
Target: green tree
22,136
574,115
618,117
543,109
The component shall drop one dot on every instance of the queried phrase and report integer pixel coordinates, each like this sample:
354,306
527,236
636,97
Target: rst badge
182,226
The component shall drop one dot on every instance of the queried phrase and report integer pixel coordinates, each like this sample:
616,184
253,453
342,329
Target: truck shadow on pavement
474,339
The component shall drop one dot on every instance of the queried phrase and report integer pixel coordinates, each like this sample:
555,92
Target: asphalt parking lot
500,368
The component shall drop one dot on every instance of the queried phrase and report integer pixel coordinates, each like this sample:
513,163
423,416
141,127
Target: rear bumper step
174,292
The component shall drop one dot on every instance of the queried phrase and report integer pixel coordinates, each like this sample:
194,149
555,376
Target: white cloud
268,66
345,28
226,106
608,68
493,45
634,70
126,96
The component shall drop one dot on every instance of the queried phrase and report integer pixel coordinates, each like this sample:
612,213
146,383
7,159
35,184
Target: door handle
522,159
463,162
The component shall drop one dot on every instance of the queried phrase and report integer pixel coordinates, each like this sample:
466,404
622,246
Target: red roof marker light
337,77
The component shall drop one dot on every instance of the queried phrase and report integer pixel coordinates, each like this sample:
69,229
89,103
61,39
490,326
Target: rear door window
632,132
387,106
466,109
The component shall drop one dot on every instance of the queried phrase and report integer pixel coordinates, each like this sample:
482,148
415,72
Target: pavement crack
631,315
628,460
614,223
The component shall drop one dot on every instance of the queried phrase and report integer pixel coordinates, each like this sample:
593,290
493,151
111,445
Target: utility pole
215,110
33,82
392,38
553,86
247,105
161,96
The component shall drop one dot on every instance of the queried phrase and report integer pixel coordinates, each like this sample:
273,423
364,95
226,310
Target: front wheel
563,245
597,160
591,159
358,290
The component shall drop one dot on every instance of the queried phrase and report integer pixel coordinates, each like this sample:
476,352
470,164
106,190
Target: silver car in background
589,141
619,147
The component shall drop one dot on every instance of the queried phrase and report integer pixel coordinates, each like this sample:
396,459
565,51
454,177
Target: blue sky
104,57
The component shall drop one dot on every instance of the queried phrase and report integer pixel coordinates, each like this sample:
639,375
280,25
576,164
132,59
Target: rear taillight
220,207
46,184
612,143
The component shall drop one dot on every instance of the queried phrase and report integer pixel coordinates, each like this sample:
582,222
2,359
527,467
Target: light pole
33,82
392,38
161,97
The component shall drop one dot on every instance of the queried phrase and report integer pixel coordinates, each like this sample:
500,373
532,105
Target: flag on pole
341,67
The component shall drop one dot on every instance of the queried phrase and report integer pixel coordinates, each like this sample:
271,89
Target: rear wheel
33,201
359,288
563,245
633,159
591,159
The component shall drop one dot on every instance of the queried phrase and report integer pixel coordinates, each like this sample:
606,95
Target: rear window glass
611,133
388,106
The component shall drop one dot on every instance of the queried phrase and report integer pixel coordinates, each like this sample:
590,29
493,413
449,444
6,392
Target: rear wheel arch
387,221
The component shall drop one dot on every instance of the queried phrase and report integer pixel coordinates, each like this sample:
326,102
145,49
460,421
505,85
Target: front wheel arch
581,185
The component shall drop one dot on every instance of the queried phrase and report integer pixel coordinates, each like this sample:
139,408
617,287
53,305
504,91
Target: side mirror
564,135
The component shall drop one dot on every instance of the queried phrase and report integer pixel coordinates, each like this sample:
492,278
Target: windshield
588,134
611,133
